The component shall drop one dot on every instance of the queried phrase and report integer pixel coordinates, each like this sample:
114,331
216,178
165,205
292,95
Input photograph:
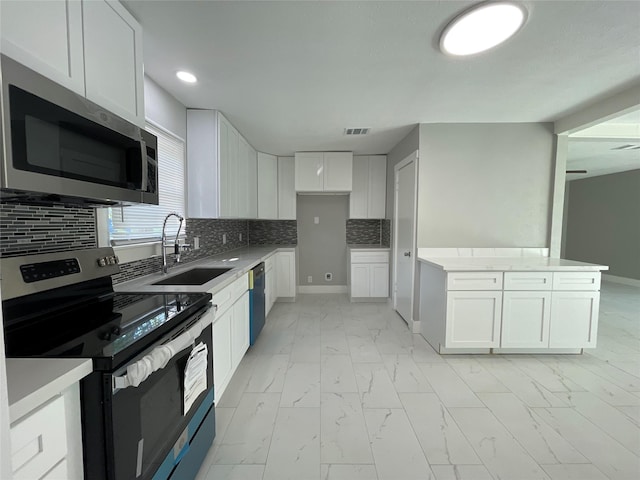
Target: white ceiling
292,75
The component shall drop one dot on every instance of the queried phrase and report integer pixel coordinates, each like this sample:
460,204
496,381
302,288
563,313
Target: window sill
138,251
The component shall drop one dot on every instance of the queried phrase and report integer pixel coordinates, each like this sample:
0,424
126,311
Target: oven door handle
139,371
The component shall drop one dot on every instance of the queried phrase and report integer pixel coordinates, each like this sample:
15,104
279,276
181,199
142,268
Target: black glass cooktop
109,328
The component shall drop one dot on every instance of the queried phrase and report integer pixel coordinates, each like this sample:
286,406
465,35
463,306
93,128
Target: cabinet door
252,183
473,319
358,199
202,166
379,280
268,287
377,187
46,36
286,189
574,319
113,59
243,178
233,187
309,172
338,171
360,273
267,186
228,138
285,274
525,319
240,329
222,361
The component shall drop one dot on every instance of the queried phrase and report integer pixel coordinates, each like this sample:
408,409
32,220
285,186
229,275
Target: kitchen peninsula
507,300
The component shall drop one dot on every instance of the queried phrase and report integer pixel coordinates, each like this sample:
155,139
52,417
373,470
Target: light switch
316,220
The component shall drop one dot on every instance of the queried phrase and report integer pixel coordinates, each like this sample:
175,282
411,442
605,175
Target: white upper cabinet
45,36
323,171
221,168
309,172
113,59
286,189
267,186
93,48
368,197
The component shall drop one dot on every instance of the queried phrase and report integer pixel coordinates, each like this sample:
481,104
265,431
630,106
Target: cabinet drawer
528,280
369,257
576,281
39,441
474,281
228,295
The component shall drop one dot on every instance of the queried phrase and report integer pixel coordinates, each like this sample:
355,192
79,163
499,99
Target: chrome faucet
175,246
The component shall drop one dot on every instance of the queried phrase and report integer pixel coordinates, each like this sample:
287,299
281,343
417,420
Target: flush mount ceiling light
481,28
186,76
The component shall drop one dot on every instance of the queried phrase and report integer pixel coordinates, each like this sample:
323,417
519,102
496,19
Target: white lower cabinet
269,284
39,441
574,319
473,319
525,319
369,274
285,274
230,332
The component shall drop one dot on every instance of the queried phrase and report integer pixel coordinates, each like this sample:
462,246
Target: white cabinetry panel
252,183
379,280
309,172
240,328
473,319
286,189
46,36
369,274
377,194
243,178
267,186
360,280
528,280
525,319
39,441
359,197
222,360
269,283
574,319
113,58
285,274
474,281
576,280
337,171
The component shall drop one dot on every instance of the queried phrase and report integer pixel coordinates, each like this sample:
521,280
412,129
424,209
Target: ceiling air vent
356,131
627,147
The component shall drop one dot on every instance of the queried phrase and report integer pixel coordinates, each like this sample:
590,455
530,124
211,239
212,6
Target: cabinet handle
407,254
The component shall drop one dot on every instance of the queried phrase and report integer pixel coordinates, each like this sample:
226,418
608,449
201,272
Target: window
143,223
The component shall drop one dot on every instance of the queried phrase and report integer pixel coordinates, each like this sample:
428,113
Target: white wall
164,109
485,185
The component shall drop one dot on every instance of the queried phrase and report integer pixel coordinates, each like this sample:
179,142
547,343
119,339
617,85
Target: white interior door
404,238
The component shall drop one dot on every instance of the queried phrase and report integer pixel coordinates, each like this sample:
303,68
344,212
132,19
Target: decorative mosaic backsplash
386,232
273,232
361,231
29,229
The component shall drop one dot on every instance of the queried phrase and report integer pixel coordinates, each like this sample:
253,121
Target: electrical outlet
309,279
224,238
196,243
316,220
328,276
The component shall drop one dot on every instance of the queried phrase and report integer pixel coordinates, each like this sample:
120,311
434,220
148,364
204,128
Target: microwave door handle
139,371
145,165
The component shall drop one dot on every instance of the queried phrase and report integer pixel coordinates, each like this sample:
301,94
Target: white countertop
240,260
540,264
366,246
33,381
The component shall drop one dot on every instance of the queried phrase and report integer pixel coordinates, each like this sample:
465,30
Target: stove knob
115,330
105,336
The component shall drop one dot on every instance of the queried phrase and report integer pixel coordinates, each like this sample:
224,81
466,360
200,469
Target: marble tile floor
341,391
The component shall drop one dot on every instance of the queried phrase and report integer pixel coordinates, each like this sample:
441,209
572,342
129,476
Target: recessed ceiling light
186,76
481,28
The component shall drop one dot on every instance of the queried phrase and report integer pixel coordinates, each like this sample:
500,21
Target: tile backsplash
363,231
386,232
29,229
273,232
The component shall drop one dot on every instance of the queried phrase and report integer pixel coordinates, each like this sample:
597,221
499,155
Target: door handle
407,254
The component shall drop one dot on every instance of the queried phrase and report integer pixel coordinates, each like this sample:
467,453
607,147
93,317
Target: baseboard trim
322,289
623,280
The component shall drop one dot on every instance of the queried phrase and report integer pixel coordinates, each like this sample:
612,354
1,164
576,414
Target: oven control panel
34,272
108,260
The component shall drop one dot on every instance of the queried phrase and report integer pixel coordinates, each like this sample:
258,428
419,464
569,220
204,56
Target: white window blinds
140,223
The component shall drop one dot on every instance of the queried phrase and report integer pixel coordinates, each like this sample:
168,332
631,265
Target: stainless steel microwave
59,147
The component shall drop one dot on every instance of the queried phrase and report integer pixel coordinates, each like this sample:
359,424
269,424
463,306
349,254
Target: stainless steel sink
195,276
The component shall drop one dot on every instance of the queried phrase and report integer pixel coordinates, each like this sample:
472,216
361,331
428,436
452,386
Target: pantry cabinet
368,197
323,171
93,48
220,168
